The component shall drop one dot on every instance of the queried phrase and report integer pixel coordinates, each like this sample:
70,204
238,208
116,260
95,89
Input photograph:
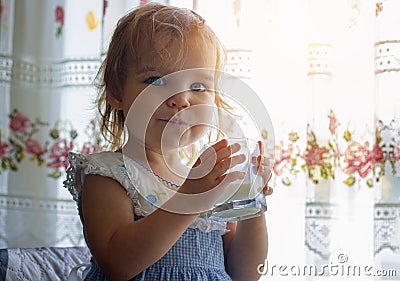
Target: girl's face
180,100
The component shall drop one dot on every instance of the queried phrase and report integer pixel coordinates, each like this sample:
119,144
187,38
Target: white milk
243,192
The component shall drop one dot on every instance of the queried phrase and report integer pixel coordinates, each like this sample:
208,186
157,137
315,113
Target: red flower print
377,154
59,154
89,148
34,147
315,155
360,159
282,158
333,123
19,123
4,147
1,9
60,15
105,6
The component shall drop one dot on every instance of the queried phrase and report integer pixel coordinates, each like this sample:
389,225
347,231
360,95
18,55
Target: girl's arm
246,246
121,246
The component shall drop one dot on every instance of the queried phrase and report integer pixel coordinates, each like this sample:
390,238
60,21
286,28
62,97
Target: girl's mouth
175,121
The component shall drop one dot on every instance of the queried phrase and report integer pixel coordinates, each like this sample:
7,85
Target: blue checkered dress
197,255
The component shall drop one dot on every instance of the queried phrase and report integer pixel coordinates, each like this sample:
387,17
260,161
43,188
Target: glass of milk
242,199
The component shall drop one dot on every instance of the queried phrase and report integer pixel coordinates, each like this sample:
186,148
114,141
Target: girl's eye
156,81
198,87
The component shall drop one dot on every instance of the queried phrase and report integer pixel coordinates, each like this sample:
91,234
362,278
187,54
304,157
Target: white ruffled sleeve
108,164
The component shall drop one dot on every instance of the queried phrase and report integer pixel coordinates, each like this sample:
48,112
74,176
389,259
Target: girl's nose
179,101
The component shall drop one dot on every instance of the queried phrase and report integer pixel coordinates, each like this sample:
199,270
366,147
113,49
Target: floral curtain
327,72
46,99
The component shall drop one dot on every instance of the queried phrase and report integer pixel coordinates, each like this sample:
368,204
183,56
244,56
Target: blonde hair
155,26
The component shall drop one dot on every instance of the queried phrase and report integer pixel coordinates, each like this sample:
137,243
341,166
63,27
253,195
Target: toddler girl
130,237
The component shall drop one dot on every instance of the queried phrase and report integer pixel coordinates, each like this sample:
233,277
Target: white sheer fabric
50,53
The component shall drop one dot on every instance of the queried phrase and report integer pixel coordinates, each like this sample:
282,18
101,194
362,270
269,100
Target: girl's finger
220,151
230,177
261,147
261,160
220,144
227,151
267,190
264,172
223,166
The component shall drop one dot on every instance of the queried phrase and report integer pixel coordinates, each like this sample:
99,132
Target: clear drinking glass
242,199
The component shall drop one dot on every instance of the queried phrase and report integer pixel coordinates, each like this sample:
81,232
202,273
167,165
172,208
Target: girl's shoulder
132,176
107,163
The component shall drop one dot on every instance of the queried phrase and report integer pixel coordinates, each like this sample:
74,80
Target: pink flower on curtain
377,154
2,9
19,123
360,159
333,123
282,158
59,18
4,148
60,15
378,8
89,148
315,155
34,147
59,154
105,6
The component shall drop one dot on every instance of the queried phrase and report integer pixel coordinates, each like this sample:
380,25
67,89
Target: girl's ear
115,102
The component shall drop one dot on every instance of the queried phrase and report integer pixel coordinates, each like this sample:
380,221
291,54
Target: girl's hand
264,169
210,169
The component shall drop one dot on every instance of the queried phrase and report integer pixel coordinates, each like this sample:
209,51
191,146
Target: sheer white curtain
328,73
49,55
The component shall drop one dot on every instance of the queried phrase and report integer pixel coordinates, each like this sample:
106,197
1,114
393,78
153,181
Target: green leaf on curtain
332,173
293,136
347,135
330,144
73,134
55,174
324,173
58,32
370,182
264,134
19,155
350,181
5,163
286,181
54,133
